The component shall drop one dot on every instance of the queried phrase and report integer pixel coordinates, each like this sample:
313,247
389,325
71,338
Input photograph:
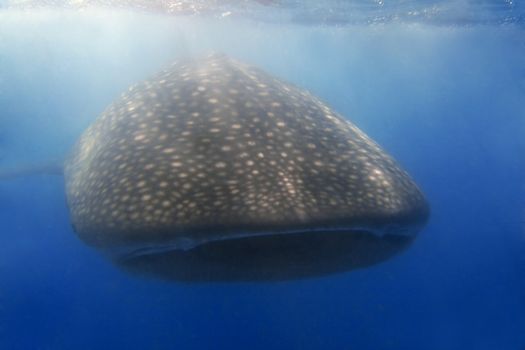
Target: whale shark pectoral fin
51,167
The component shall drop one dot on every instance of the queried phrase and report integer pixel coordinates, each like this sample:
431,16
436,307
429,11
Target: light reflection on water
311,12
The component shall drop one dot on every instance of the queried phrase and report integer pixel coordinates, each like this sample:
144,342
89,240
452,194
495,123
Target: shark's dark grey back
214,149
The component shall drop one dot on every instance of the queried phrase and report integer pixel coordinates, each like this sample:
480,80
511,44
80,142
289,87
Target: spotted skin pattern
215,149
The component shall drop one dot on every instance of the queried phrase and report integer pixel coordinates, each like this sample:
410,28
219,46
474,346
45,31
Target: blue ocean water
445,98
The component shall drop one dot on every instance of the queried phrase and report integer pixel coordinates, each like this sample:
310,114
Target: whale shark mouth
194,240
266,257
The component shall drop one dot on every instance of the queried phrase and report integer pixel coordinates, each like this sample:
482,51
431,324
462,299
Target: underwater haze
440,87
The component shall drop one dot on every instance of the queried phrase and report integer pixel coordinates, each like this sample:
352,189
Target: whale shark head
216,170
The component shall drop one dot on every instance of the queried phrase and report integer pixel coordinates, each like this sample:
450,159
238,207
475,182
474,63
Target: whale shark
214,170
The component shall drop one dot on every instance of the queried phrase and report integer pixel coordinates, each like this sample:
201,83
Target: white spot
213,100
220,165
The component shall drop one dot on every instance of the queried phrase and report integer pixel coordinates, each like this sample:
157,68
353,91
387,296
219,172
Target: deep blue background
446,101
